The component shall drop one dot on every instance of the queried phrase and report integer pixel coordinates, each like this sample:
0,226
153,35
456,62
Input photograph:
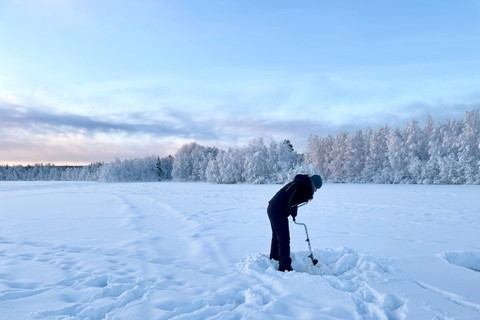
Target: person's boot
287,269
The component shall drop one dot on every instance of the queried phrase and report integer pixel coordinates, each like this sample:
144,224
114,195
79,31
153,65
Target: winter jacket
294,194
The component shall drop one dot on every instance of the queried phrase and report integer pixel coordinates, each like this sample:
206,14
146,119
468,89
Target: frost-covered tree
165,167
376,168
448,162
433,137
191,161
256,169
254,163
212,173
232,166
183,162
90,172
338,153
281,158
319,153
354,156
416,152
227,167
131,170
469,148
397,157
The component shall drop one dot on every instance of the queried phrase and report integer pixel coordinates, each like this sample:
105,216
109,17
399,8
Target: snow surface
71,250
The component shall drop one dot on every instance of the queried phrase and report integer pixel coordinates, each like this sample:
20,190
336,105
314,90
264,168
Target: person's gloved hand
294,215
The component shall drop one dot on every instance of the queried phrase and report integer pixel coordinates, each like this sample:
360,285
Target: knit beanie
317,181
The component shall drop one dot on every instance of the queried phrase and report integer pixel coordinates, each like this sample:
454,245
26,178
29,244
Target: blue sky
89,80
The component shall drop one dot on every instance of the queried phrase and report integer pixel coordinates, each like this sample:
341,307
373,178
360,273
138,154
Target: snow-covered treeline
437,153
255,163
150,168
37,172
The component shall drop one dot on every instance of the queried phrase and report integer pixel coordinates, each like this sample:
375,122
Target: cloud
33,135
178,124
441,111
46,135
77,149
29,136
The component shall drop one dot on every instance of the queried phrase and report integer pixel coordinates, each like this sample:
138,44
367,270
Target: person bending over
283,204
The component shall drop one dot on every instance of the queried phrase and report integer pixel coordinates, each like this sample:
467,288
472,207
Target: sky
86,80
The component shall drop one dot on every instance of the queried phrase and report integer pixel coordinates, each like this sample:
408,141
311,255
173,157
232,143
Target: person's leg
274,244
279,223
274,254
283,236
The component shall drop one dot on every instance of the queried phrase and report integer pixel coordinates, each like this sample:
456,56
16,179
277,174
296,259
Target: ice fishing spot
343,269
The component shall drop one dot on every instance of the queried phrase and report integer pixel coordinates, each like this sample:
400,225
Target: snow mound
341,271
465,259
342,263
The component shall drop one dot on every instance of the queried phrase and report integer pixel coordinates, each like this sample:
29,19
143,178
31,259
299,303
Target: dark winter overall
285,203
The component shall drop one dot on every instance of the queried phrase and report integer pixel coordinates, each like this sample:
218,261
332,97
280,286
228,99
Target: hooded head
317,181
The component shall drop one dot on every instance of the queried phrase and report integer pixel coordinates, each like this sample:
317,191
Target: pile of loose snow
344,270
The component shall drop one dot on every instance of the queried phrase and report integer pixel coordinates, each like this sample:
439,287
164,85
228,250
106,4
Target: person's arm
293,211
297,197
293,202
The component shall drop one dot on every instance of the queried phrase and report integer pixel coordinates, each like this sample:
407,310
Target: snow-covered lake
71,250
